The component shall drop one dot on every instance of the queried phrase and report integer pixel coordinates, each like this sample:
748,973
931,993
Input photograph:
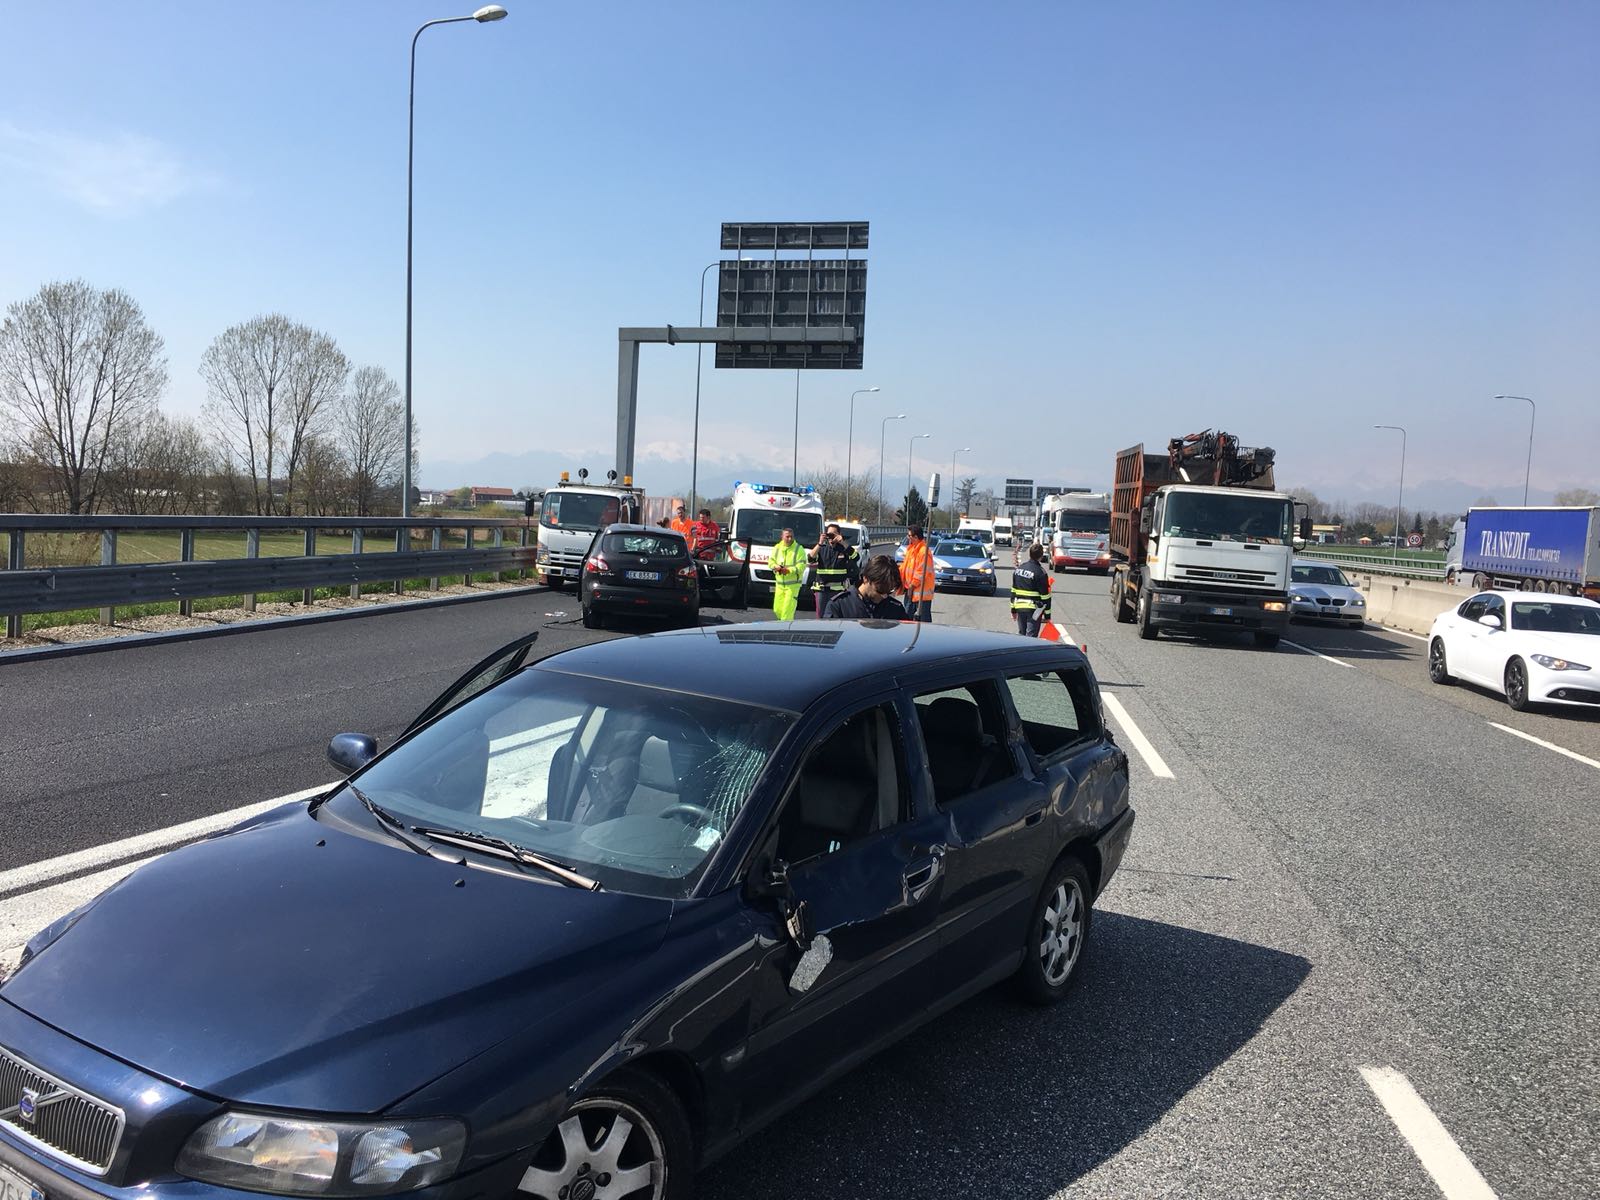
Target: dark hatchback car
639,570
589,922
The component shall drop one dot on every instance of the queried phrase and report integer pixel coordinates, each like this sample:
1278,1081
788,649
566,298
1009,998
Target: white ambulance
760,514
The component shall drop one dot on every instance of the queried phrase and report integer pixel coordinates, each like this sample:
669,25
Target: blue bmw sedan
591,920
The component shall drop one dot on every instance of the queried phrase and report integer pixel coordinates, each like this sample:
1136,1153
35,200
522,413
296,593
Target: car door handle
920,875
1034,817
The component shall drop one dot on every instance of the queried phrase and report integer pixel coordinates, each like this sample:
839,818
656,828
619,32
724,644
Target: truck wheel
1480,582
1120,607
553,582
1266,640
1147,627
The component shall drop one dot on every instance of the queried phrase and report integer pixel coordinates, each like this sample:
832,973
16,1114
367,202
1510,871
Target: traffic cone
1049,631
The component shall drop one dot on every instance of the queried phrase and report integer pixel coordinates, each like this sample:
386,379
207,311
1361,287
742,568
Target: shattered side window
852,784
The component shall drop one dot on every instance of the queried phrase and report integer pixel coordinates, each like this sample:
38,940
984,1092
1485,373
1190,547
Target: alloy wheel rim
601,1150
1061,933
1516,682
1436,657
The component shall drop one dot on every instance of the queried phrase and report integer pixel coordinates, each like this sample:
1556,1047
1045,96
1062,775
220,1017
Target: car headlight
1358,601
1298,598
306,1156
1557,664
984,569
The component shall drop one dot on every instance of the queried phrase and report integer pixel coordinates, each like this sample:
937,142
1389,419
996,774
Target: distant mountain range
540,468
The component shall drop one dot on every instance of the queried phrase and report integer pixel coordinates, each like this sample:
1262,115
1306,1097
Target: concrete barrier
1409,604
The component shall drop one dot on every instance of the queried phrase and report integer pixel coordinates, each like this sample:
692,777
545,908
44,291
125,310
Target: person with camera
835,564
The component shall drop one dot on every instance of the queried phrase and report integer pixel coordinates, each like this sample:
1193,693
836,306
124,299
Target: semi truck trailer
1200,539
1529,549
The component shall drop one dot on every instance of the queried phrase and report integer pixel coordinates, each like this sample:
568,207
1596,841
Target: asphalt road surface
1353,905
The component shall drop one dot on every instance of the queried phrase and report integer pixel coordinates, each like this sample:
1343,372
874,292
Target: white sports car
1319,589
1532,647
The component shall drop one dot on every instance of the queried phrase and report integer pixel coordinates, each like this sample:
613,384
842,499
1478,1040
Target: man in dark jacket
873,598
1030,593
835,563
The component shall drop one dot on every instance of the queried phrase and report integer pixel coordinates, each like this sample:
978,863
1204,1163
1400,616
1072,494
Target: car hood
1333,591
1575,647
290,963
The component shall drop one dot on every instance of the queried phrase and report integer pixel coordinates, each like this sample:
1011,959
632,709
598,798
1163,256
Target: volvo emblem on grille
28,1106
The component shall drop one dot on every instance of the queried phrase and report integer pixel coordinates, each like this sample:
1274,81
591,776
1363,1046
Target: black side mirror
352,751
1146,522
1305,529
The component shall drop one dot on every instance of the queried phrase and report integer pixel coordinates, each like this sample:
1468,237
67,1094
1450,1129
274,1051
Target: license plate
15,1187
571,571
647,576
1222,612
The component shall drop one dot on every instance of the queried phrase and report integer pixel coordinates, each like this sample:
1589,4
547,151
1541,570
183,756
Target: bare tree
271,383
372,436
78,368
1578,497
161,467
858,496
324,485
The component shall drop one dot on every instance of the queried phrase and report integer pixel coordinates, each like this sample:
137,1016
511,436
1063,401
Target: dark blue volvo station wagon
594,918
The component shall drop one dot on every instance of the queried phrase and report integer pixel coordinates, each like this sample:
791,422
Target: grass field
1421,557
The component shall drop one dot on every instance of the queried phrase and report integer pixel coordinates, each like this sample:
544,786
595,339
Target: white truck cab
1003,531
569,515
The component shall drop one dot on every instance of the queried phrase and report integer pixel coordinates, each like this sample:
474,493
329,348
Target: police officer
1030,593
835,564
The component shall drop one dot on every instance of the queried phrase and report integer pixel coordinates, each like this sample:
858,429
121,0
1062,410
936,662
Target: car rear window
664,544
1057,708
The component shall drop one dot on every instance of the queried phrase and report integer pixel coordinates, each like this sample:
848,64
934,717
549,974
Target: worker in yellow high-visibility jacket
788,566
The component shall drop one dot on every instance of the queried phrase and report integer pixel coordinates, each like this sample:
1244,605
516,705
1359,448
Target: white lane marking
1335,661
1451,1170
1573,754
1152,758
36,874
1416,637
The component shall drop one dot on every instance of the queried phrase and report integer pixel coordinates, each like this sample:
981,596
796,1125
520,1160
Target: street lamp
1533,411
963,450
883,429
699,357
849,445
915,438
491,12
1402,495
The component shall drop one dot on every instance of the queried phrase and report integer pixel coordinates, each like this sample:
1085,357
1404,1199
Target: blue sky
1091,224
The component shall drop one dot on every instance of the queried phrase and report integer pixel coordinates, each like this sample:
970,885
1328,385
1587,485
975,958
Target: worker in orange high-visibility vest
917,576
681,523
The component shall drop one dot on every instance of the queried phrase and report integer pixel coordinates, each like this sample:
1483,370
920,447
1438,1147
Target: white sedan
1531,647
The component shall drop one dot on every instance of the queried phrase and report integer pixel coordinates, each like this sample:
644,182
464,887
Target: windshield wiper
517,854
389,821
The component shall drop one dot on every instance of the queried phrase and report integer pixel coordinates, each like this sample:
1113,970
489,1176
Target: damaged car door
846,890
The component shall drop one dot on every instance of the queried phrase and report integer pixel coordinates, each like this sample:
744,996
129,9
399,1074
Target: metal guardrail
112,584
1376,564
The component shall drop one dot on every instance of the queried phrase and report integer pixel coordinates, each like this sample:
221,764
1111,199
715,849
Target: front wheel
1438,664
554,582
1517,685
1147,626
629,1140
593,620
1057,934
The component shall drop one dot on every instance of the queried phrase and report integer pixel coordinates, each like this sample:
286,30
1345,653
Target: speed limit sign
1414,540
